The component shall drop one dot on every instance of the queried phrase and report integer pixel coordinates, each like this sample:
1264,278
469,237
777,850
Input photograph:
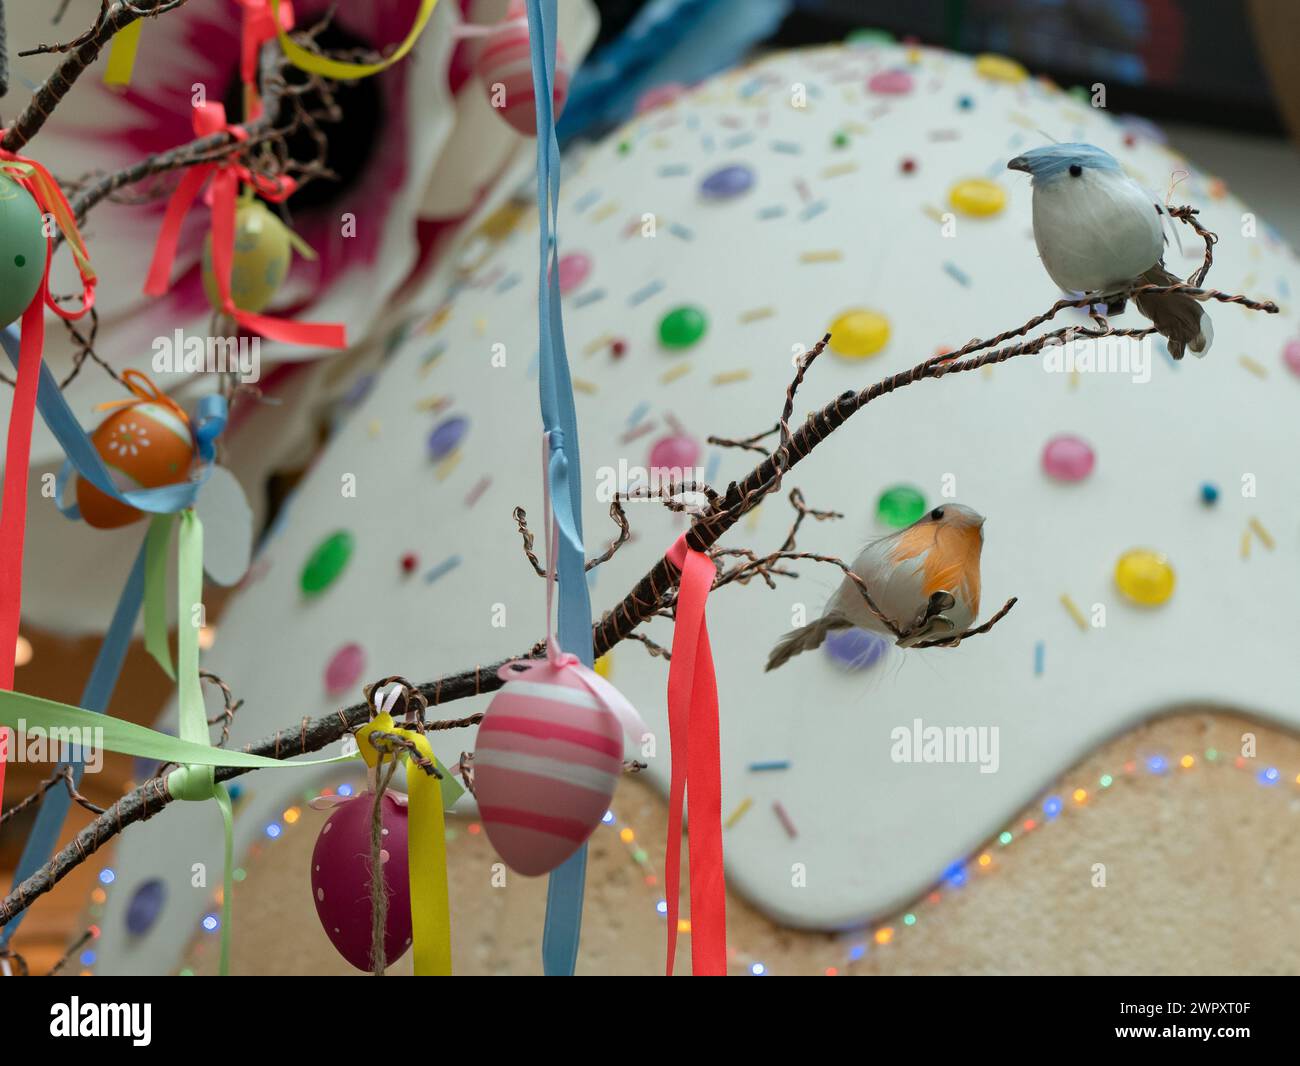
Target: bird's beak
1019,163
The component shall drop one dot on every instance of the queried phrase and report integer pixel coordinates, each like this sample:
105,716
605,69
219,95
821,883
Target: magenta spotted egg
340,878
505,69
546,760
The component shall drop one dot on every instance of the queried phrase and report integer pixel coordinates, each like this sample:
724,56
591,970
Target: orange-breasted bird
925,579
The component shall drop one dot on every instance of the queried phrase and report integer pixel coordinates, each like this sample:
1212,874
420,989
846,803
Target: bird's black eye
937,514
1075,170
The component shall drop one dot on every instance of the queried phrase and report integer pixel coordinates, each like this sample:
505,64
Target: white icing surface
872,833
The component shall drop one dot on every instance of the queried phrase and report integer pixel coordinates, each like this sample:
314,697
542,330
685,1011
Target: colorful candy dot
908,165
145,905
573,270
890,82
965,102
900,506
1209,493
727,182
682,326
676,452
855,649
1068,458
446,436
618,348
344,668
978,197
325,564
859,333
1145,577
840,140
999,68
410,563
1291,356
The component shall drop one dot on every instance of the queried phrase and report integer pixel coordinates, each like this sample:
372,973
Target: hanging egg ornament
546,760
144,446
341,882
505,69
263,250
22,250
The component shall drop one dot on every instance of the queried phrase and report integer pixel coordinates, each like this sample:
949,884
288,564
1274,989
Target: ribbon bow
697,760
426,838
227,176
633,726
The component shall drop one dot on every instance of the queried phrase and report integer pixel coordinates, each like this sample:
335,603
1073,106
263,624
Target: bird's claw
930,618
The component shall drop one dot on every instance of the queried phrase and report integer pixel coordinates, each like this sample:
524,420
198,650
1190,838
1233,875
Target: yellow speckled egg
262,252
978,197
144,446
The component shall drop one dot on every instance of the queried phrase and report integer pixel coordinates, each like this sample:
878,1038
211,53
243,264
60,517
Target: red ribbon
13,518
258,28
697,759
227,176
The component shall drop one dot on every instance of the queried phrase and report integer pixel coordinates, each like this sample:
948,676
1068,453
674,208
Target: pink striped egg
340,878
505,68
546,760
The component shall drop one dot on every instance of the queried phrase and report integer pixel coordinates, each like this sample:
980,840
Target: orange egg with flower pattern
144,446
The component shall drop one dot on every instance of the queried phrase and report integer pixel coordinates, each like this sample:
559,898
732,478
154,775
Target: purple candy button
446,436
727,182
145,906
855,649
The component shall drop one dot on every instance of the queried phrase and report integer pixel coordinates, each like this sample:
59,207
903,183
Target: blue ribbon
45,831
208,422
565,888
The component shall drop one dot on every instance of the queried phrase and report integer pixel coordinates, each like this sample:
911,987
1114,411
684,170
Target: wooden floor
58,670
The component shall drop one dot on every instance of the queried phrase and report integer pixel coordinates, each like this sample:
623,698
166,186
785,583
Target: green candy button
900,506
682,326
326,563
22,249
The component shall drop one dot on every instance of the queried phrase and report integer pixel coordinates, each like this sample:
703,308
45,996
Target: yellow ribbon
121,54
426,848
334,68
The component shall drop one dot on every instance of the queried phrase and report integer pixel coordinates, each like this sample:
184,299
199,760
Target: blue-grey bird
1099,232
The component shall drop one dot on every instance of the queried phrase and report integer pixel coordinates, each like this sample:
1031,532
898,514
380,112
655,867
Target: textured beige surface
1201,865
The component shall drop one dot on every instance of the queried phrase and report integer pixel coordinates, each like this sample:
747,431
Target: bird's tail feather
805,638
1181,320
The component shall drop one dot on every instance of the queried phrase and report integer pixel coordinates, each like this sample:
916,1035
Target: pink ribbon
696,753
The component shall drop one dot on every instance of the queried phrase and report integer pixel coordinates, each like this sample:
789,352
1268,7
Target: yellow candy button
859,333
999,68
1145,577
601,666
978,196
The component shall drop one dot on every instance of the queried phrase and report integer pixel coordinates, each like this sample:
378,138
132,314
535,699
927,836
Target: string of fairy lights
852,948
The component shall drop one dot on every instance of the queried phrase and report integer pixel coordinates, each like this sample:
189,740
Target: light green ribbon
195,778
155,591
